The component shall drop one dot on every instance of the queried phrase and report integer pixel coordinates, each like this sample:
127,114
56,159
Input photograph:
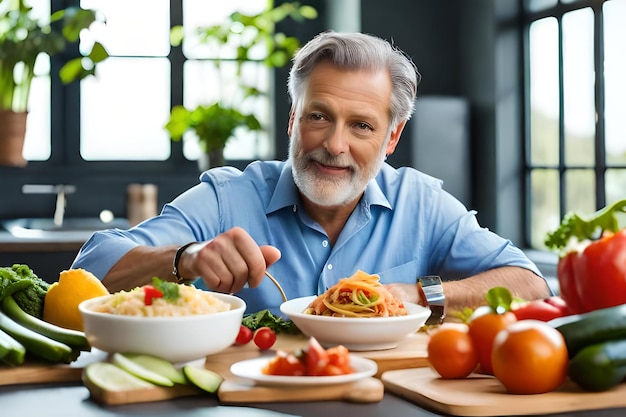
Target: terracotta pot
12,132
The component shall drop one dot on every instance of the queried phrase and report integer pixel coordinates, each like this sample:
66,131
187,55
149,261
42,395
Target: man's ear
291,120
395,138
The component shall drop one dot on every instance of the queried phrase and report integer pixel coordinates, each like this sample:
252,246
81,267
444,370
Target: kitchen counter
62,241
72,400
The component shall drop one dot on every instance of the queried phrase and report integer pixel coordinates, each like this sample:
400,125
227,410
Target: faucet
61,190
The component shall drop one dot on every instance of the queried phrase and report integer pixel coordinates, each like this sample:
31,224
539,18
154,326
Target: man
333,208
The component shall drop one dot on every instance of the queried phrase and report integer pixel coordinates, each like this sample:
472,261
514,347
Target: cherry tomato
264,338
530,357
483,330
244,336
451,351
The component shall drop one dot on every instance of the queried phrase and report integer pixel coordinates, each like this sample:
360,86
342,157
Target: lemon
63,297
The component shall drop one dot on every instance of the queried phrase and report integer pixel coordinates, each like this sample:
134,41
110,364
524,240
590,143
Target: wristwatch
432,290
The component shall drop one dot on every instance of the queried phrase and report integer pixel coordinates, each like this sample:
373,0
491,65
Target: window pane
133,28
205,83
578,87
615,185
614,70
124,109
544,207
544,92
580,191
200,13
37,139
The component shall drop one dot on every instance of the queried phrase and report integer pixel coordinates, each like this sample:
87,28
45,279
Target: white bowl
176,339
357,334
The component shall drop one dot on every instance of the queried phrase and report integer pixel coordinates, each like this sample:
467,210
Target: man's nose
337,141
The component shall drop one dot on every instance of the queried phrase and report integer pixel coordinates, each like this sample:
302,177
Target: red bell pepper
592,259
544,310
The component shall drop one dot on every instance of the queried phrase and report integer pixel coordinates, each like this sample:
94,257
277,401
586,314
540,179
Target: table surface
73,400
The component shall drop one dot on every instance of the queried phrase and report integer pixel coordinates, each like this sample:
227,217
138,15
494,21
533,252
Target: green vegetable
12,352
573,227
37,344
599,367
265,318
582,330
28,290
73,338
203,378
170,290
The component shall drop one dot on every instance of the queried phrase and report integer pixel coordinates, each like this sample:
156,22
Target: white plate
252,369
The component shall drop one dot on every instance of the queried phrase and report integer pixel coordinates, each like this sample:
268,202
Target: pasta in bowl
357,313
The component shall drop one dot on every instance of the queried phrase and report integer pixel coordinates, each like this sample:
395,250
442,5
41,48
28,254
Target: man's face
339,133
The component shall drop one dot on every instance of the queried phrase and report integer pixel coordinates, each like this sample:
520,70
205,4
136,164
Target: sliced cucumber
140,371
203,378
158,365
113,378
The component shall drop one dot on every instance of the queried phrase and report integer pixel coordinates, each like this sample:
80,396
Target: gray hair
359,51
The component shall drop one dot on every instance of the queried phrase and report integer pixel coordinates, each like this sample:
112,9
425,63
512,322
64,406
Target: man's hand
229,261
407,293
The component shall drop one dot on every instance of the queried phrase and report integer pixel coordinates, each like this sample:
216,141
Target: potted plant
22,39
215,123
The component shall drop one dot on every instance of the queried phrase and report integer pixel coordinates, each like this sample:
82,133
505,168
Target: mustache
321,156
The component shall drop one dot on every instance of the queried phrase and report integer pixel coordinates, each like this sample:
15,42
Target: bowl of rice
178,323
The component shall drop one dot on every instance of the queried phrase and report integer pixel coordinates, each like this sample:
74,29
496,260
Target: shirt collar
286,194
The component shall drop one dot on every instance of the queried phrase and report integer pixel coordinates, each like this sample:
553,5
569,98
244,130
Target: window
576,136
123,110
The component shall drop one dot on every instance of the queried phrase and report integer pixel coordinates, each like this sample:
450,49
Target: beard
329,190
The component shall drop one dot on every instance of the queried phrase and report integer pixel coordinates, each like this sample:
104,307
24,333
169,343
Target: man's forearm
470,292
139,265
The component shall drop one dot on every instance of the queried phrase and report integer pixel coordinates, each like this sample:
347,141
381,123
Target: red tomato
451,351
264,338
544,310
150,293
244,336
530,357
483,330
339,357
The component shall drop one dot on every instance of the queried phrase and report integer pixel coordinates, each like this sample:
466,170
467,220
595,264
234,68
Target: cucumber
139,370
597,326
73,338
12,352
599,367
112,378
159,366
37,344
203,378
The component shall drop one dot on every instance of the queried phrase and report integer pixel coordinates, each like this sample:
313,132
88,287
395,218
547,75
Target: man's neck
332,219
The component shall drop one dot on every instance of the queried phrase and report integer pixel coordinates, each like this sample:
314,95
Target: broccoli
28,290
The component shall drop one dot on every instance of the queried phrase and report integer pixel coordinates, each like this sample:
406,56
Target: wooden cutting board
482,395
33,372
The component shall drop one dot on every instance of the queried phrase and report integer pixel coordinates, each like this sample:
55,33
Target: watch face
432,291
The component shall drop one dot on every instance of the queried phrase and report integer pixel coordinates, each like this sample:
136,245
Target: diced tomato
316,358
150,293
285,364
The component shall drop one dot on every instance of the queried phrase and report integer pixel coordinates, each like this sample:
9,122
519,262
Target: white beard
325,190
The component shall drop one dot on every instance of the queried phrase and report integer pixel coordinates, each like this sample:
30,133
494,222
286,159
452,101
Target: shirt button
324,243
330,266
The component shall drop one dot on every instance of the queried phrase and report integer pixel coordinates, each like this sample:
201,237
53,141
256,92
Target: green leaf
170,290
499,299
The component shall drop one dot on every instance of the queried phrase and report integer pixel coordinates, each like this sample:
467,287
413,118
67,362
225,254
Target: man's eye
316,116
363,126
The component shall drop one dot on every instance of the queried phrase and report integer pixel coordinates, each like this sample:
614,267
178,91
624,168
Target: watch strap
432,291
175,271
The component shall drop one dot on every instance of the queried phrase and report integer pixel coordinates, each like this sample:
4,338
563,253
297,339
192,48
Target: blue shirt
404,226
